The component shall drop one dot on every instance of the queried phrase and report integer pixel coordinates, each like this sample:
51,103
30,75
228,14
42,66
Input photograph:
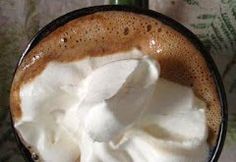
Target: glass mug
139,7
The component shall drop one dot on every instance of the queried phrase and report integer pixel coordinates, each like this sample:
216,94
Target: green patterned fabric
213,21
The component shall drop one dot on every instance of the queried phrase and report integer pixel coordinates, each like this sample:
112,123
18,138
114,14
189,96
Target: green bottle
135,3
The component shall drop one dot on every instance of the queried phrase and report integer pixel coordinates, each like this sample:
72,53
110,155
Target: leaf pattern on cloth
213,21
219,29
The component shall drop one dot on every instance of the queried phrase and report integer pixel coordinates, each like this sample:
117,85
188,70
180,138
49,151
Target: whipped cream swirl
113,108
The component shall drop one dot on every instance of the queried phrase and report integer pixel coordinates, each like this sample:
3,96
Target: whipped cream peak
122,90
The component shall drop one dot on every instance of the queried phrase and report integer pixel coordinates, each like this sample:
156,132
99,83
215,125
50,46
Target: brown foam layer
108,32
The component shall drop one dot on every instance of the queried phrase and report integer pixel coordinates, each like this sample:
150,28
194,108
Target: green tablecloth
214,21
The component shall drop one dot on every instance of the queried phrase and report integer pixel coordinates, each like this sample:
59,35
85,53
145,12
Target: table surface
213,21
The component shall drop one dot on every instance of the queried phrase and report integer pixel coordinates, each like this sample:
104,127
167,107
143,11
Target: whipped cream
113,108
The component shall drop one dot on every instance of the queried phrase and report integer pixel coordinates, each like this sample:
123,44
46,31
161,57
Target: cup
138,7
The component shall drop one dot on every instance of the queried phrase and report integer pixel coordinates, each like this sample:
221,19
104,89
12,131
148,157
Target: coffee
104,33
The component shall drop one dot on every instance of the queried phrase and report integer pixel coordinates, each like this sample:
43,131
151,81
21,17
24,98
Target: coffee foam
108,32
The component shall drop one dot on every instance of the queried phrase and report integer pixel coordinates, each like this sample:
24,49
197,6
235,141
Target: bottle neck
135,3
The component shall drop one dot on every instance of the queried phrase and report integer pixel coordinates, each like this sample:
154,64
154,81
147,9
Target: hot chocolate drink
102,34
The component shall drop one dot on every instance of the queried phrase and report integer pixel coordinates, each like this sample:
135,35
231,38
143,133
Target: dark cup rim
60,21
